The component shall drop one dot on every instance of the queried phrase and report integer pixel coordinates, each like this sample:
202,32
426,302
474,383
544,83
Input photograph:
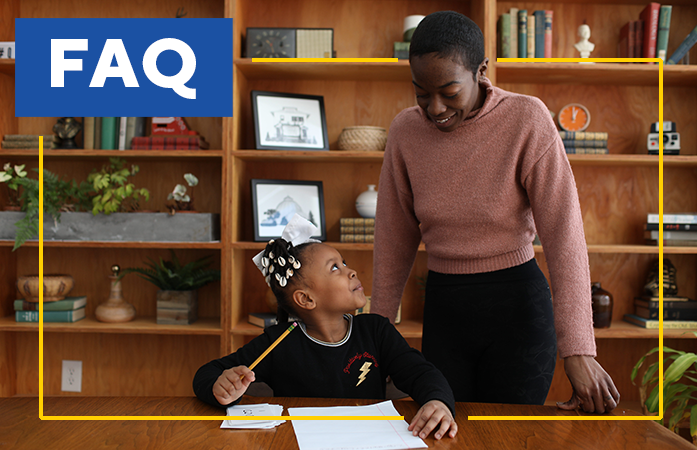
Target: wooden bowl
56,287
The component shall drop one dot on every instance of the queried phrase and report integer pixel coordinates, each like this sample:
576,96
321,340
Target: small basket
365,138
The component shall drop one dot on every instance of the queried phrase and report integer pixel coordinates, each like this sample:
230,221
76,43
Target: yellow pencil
271,347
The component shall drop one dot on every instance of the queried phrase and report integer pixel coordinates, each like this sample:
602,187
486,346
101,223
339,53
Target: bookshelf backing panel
126,9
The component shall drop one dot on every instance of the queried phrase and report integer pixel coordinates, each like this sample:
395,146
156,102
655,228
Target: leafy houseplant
183,201
12,175
114,192
679,399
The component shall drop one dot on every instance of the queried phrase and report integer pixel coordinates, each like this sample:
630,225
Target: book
357,229
130,131
28,144
67,304
504,27
654,324
586,151
109,133
675,218
51,316
539,33
97,133
29,137
522,33
668,313
623,44
668,302
123,123
585,135
650,17
166,143
671,226
531,36
549,18
262,319
684,47
664,14
357,222
584,143
638,38
514,32
673,235
140,126
358,238
88,133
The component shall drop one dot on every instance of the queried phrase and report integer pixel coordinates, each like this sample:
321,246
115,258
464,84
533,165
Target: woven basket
368,139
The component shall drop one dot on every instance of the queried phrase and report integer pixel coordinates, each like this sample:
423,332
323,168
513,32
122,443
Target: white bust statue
584,46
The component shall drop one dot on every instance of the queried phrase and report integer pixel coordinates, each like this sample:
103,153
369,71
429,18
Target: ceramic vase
115,309
602,306
367,202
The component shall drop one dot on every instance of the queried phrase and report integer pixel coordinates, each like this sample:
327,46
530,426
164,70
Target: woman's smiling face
445,89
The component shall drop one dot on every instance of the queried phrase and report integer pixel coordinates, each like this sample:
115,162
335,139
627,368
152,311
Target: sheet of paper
263,409
353,434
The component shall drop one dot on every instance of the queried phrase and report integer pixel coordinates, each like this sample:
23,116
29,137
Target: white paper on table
263,409
353,434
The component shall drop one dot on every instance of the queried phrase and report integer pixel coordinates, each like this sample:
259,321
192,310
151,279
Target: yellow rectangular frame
334,60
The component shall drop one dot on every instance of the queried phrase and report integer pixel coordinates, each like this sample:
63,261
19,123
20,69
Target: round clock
270,42
574,117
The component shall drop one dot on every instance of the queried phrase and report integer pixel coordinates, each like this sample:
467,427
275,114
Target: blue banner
123,67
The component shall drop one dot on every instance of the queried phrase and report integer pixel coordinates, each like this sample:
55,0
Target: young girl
334,354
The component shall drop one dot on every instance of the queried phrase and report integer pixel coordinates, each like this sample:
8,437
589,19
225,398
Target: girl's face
331,282
446,90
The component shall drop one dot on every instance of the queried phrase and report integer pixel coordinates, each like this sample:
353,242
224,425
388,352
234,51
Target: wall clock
270,42
574,117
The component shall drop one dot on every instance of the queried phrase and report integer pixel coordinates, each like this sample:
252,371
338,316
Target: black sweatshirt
356,367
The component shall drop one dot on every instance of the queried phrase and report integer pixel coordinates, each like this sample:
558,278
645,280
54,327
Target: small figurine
67,128
584,46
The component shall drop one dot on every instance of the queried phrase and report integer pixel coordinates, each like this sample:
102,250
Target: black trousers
492,334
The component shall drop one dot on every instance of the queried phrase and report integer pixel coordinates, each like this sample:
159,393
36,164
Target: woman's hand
594,390
231,384
429,416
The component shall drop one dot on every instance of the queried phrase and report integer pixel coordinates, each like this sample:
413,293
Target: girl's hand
232,384
429,416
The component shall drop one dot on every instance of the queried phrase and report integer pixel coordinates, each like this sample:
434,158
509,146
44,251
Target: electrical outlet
71,376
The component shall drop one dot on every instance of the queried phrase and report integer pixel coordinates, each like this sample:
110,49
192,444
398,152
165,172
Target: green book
523,33
504,36
67,304
109,133
50,316
663,31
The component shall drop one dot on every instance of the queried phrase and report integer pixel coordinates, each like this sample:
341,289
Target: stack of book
70,309
525,36
679,229
177,307
584,142
359,230
678,312
111,133
169,143
29,141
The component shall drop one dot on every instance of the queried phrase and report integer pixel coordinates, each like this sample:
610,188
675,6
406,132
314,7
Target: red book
548,32
650,17
623,44
639,40
165,143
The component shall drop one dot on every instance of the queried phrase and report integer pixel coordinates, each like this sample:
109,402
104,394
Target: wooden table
20,427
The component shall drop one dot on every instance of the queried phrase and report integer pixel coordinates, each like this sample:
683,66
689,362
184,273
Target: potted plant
11,175
177,299
181,201
113,191
679,389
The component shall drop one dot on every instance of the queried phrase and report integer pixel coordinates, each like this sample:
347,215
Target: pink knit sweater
475,196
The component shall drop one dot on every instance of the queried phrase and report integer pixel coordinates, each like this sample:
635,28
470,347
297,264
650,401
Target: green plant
113,191
172,276
12,175
182,200
679,398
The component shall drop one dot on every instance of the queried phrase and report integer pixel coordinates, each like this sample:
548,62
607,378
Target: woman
475,171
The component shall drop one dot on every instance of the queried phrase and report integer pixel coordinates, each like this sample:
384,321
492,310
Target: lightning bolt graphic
365,369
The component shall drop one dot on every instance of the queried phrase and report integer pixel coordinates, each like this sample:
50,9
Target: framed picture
289,121
275,202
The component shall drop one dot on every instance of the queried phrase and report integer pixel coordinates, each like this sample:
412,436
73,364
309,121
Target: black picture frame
285,198
285,121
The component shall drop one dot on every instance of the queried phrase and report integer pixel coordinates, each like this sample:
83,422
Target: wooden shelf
633,160
141,325
624,330
259,246
595,74
326,71
118,244
145,154
309,156
7,66
408,329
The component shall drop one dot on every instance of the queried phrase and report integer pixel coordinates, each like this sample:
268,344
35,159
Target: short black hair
450,35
